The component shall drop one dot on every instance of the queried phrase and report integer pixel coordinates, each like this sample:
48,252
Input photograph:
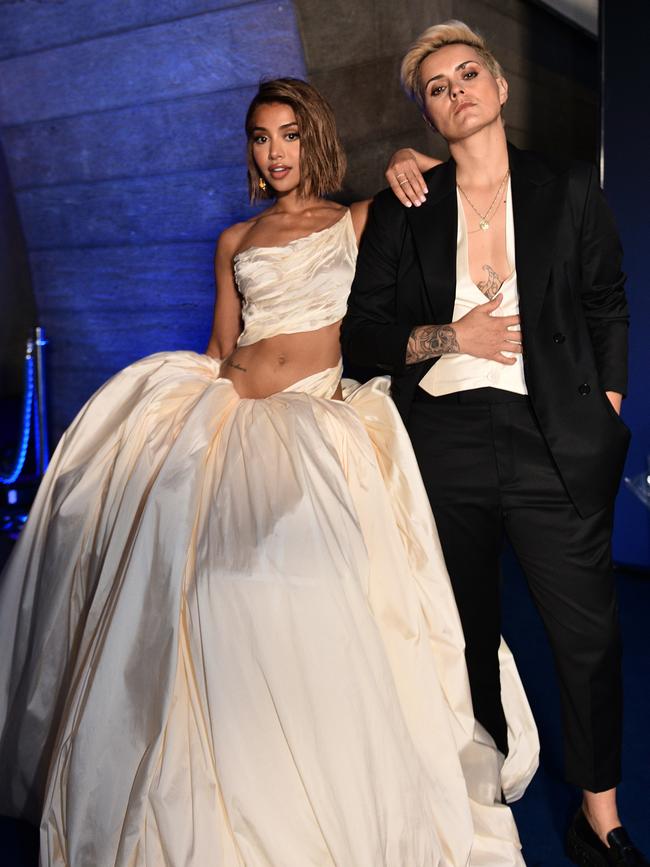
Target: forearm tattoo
490,287
430,341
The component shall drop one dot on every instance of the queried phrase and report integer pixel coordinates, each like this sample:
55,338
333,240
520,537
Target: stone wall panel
202,54
193,132
183,206
31,25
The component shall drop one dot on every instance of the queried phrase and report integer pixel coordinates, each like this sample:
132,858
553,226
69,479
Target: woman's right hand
484,335
404,174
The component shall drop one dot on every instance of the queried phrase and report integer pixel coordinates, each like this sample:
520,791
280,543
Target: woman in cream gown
228,634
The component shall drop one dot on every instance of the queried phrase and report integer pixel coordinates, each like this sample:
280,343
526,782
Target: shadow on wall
16,295
563,86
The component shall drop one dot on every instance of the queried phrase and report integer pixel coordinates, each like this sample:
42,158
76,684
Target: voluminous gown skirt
229,640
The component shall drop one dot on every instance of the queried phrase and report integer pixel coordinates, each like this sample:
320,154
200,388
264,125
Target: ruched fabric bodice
301,286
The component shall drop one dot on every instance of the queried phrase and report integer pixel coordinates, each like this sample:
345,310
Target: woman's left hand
616,400
404,174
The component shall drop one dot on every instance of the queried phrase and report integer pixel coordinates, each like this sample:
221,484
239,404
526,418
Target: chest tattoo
491,285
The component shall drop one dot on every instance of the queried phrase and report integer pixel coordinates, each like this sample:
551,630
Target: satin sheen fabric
301,286
234,640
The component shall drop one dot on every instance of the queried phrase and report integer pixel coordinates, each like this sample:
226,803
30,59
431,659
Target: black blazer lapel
536,201
536,204
434,227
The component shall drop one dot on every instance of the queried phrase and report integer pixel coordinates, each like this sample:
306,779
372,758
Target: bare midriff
272,365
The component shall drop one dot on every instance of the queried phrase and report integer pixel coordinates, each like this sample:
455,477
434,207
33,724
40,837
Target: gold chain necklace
487,216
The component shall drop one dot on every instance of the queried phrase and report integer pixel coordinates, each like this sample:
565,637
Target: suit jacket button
559,337
584,389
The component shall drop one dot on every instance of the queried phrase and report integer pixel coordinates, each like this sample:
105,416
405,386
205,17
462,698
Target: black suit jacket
572,303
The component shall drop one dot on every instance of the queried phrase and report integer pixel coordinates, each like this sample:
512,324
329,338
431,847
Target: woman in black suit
499,308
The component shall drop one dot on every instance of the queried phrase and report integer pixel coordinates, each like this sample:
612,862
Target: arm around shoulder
404,173
371,334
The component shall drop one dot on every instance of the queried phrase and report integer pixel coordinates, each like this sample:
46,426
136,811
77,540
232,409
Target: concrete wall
122,122
353,55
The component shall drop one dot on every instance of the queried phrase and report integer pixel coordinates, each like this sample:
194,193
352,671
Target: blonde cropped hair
451,32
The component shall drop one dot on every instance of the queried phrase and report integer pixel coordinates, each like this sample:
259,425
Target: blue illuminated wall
122,126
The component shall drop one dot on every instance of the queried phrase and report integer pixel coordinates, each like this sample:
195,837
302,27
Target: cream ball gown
228,634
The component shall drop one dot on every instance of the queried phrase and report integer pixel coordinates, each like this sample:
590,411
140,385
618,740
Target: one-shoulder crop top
301,286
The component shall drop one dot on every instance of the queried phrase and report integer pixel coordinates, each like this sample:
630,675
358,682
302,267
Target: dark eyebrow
460,66
282,126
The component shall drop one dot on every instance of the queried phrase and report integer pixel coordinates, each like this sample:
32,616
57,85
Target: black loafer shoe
584,846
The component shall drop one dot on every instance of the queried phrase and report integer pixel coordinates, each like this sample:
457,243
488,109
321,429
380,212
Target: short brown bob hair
451,32
322,161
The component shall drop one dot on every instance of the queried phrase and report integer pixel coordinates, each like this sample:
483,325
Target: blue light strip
26,422
37,438
40,404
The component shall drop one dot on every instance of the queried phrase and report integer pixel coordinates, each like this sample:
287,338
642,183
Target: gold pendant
484,225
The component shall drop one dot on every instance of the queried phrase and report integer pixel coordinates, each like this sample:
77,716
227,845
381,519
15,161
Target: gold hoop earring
262,184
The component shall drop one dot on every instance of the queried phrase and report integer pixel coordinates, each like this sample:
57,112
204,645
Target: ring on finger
401,183
400,174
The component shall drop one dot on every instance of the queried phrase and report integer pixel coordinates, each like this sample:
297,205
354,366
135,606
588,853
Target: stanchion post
42,443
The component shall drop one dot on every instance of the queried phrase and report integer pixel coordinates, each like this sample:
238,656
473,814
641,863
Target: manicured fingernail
417,204
422,200
408,204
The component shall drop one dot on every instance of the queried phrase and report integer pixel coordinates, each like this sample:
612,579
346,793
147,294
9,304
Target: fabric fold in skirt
234,640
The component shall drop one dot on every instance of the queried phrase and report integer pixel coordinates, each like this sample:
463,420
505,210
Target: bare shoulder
326,213
232,239
359,214
328,208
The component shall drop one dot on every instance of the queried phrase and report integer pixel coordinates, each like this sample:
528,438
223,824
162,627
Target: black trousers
488,471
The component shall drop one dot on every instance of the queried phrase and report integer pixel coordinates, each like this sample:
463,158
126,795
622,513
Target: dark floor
543,813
